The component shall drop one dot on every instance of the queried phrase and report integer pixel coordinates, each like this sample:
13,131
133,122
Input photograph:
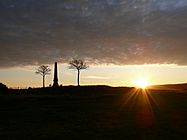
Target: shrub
3,87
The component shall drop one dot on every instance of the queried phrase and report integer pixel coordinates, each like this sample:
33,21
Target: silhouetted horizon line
102,85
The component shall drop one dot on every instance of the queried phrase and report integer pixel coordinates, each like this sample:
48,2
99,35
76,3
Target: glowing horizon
112,75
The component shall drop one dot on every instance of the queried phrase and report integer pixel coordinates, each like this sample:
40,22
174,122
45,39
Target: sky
121,40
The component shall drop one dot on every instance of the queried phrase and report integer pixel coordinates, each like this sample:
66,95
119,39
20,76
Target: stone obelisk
55,80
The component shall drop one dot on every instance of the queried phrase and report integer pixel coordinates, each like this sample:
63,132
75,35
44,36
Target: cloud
97,77
108,31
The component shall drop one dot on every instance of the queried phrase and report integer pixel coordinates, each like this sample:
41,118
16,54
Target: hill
93,112
179,87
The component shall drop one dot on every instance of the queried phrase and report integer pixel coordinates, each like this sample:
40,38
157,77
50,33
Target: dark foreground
93,113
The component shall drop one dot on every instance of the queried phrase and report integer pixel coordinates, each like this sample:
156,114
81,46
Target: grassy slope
93,113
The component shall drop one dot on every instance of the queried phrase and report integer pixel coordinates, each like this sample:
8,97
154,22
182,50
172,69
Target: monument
55,80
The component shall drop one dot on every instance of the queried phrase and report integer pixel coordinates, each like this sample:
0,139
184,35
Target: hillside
93,112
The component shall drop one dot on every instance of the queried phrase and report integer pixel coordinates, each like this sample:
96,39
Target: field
95,112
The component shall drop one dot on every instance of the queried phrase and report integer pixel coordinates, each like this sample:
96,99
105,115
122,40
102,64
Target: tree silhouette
78,64
43,71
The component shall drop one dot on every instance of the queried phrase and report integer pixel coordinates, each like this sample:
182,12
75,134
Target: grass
102,113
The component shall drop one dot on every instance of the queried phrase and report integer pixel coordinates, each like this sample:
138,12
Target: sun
142,83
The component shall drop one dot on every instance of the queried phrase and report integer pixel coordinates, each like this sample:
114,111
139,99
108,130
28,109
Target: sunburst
142,83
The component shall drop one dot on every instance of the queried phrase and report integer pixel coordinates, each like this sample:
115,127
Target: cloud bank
101,31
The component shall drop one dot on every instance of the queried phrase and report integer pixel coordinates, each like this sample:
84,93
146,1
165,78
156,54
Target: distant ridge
179,86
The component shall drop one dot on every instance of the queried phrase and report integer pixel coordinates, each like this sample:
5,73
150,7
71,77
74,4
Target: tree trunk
43,81
78,75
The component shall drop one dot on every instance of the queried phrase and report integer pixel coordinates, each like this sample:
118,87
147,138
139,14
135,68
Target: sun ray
142,100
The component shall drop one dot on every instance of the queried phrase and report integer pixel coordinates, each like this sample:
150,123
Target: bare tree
43,71
78,64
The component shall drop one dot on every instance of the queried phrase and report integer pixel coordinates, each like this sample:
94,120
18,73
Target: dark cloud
101,31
